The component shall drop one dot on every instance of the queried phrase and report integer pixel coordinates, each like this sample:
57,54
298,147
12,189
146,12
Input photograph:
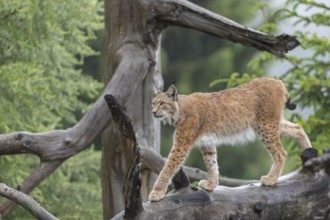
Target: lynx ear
172,92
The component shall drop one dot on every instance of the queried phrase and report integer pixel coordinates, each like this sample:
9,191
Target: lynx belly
213,139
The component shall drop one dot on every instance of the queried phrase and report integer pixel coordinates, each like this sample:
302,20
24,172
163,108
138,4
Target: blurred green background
51,71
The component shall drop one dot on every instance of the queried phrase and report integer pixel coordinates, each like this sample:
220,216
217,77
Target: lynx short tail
289,105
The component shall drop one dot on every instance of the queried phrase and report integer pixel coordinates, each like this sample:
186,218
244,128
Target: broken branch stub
132,185
180,180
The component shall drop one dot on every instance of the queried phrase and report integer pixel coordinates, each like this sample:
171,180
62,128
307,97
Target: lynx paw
155,196
208,185
268,180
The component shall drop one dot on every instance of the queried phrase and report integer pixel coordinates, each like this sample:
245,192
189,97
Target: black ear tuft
172,92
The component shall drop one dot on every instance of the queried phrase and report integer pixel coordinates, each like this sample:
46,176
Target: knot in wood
258,207
67,141
19,136
308,154
27,143
180,180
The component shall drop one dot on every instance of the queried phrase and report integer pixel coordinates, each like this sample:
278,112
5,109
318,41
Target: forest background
52,65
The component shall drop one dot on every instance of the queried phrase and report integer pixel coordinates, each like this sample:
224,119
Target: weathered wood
186,14
318,163
132,185
307,154
299,195
129,34
26,202
34,179
180,180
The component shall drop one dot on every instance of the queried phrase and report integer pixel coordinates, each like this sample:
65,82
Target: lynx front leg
210,160
172,165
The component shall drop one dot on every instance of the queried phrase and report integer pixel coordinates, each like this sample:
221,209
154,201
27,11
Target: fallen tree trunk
299,195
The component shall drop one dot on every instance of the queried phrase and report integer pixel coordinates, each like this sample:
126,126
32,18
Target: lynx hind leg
278,155
210,159
296,132
270,137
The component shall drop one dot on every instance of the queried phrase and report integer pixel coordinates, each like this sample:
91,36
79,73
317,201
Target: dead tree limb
299,195
26,202
36,177
132,185
186,14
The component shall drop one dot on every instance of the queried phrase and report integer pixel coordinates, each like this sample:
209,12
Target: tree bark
132,184
126,25
299,195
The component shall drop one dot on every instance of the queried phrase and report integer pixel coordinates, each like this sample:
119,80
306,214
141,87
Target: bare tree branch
35,178
26,202
186,14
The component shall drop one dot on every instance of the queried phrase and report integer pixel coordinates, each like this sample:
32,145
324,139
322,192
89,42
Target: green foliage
73,191
308,80
43,45
37,99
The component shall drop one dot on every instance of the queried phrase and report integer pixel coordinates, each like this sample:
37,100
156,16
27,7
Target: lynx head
165,106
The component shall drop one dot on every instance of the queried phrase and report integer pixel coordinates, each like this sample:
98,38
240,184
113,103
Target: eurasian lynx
232,116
